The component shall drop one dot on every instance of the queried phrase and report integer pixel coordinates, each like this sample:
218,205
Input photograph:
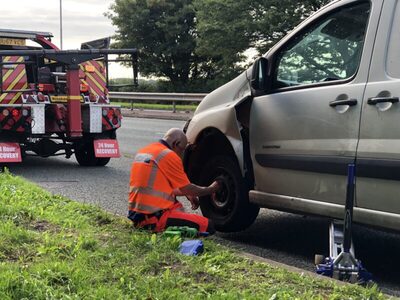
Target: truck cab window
328,50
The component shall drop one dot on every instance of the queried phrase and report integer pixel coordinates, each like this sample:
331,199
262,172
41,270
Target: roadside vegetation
55,248
155,106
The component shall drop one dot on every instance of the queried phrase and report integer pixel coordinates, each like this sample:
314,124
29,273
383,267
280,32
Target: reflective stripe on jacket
150,191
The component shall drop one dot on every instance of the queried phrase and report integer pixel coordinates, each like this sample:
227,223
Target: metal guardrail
159,97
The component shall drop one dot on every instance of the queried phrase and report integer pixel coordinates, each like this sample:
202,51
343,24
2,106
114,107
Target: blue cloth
191,247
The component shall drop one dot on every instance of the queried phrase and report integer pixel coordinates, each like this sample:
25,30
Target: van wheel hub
224,195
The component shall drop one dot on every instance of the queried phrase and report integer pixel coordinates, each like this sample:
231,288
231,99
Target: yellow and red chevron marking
14,78
96,80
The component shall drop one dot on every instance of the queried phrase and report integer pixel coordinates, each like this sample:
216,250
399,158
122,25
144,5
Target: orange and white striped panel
14,78
95,77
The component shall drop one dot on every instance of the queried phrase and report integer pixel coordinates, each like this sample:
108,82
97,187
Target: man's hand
192,190
194,200
215,186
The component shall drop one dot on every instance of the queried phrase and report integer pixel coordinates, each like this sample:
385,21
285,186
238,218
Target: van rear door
378,153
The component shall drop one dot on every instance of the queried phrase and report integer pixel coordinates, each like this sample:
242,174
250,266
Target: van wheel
230,210
85,156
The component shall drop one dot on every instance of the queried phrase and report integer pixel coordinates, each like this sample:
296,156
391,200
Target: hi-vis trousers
173,216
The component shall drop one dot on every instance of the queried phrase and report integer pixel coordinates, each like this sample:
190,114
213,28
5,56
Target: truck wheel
102,161
85,156
231,210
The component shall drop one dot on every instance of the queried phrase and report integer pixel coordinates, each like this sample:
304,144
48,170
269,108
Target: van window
393,58
328,50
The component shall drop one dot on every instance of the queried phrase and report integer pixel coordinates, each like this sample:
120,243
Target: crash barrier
156,97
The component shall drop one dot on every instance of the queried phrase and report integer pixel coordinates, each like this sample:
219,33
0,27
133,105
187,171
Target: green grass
55,248
185,107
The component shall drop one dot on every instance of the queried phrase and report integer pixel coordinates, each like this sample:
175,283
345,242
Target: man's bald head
176,139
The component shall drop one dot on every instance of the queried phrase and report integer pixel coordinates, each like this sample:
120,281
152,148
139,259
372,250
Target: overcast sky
83,20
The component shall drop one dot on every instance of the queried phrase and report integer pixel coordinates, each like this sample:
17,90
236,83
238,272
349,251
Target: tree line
197,45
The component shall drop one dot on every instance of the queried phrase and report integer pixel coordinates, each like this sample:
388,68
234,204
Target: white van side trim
325,209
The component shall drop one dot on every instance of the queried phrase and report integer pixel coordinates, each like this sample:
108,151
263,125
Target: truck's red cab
55,102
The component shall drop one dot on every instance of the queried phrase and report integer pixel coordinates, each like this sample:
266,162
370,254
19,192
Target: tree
223,34
163,32
200,44
273,19
227,28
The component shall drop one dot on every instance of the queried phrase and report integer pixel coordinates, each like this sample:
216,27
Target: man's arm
193,190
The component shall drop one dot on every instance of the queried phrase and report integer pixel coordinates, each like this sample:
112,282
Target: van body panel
299,205
378,153
223,118
301,145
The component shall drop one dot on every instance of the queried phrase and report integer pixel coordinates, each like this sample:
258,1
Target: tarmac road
286,238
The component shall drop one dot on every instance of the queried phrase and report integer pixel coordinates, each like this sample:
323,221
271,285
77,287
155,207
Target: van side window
328,50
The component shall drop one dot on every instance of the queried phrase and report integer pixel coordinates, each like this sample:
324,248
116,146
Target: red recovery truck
55,102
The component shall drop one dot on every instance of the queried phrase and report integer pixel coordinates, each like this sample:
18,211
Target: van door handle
375,100
350,102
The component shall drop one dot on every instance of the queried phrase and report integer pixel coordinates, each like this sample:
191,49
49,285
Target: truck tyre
85,156
102,161
231,209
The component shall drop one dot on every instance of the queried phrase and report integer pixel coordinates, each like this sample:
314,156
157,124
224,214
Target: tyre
102,161
231,209
85,156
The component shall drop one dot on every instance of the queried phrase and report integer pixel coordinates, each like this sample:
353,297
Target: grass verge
55,248
185,107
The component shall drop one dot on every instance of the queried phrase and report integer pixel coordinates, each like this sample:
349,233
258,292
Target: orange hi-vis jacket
155,173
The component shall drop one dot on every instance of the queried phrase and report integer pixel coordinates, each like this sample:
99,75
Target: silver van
282,134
